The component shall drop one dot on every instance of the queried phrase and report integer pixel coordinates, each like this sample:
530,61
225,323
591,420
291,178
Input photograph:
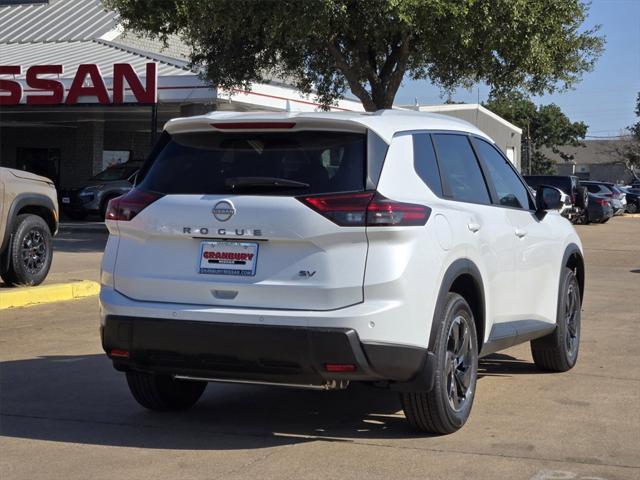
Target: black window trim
490,189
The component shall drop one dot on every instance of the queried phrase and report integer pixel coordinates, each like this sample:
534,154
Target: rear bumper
261,353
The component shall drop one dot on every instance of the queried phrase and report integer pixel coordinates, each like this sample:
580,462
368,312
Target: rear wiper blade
241,182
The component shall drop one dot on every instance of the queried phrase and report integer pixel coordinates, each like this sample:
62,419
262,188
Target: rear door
537,256
229,228
489,233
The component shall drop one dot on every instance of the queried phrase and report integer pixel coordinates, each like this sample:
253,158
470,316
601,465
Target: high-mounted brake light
253,125
127,206
367,209
340,367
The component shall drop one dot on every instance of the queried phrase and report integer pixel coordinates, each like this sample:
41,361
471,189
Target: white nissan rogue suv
315,249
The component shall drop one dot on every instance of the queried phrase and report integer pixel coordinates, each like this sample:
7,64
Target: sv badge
306,273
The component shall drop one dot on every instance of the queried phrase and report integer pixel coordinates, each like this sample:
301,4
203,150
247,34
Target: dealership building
77,93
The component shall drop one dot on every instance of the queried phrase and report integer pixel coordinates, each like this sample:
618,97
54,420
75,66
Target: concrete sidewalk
75,270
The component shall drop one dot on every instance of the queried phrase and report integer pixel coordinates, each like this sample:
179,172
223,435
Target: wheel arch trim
459,268
573,250
28,200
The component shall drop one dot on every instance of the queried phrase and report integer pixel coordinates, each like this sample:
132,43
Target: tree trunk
384,83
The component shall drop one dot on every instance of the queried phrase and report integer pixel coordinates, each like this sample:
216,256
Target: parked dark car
633,199
609,190
94,194
570,185
599,209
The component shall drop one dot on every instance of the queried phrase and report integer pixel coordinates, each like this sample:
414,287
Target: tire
632,207
558,351
605,220
30,251
582,218
582,197
436,411
162,392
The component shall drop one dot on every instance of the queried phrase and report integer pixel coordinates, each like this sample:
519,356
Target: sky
605,98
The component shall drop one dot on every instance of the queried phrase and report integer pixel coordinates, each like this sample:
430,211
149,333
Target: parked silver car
94,195
618,201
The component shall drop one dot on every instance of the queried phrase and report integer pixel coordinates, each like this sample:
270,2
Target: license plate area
228,258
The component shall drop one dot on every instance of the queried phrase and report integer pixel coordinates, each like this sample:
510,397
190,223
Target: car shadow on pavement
82,399
79,242
502,365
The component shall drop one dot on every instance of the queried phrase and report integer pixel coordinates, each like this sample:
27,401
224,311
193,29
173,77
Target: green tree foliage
630,151
542,126
369,46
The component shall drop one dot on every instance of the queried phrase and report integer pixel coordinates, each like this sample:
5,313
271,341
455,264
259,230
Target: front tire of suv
162,392
30,251
558,351
447,406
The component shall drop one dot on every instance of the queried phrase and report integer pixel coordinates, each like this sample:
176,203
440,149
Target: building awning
76,32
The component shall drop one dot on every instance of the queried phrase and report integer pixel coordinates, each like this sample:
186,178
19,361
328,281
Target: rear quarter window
424,162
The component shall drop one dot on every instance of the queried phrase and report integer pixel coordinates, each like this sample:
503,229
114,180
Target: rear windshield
260,163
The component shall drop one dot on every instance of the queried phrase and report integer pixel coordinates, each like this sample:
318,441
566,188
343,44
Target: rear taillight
367,209
602,202
127,206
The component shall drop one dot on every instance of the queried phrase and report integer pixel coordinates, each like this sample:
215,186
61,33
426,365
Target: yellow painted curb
57,292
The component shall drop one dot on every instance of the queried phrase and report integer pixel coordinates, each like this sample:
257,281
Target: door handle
520,232
473,226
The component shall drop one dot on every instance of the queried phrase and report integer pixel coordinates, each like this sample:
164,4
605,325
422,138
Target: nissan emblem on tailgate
223,210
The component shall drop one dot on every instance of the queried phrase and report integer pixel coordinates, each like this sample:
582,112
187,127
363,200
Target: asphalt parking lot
65,413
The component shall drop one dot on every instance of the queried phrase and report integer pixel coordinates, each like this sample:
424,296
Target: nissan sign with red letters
87,86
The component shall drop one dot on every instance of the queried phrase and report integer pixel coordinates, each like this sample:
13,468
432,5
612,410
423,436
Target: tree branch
401,58
353,80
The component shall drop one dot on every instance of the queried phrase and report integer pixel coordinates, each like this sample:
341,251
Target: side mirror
547,198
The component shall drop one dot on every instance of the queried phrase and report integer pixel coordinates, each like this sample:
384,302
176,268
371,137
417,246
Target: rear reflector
119,353
367,209
339,367
253,125
127,206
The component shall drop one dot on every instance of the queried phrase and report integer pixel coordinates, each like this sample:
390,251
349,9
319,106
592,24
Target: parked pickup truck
28,221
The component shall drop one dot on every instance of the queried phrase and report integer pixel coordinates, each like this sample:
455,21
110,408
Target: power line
603,136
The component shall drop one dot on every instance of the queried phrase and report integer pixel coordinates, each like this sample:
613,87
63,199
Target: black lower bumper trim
280,354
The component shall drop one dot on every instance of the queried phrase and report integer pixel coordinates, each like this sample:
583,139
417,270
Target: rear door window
510,190
460,169
260,163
